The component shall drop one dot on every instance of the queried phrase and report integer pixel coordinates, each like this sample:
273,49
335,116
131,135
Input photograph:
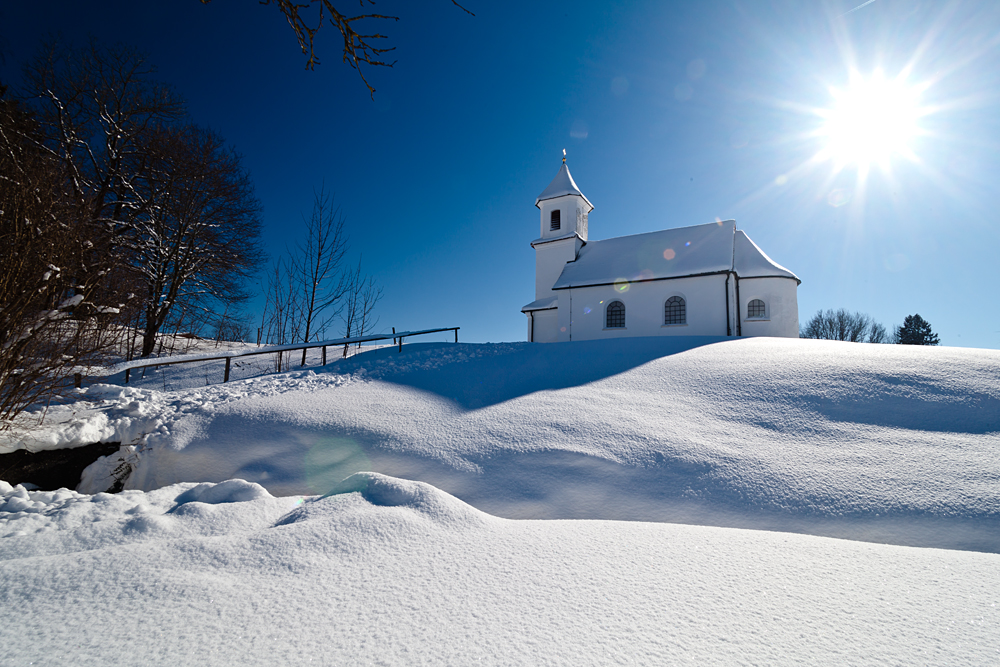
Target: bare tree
363,294
317,267
844,325
371,294
56,314
281,307
358,47
197,240
175,203
877,333
95,107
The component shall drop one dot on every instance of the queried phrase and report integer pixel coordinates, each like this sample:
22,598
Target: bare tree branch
358,47
316,265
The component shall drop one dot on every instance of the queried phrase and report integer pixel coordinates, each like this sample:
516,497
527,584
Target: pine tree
916,331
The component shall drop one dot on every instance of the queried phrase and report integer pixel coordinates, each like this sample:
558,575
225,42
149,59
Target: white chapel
705,280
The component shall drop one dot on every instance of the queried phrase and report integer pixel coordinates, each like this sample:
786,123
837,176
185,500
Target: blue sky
672,114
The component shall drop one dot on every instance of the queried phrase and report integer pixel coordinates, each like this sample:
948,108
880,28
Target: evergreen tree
916,331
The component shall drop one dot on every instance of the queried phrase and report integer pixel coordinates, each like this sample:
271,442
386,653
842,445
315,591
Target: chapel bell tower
564,212
563,207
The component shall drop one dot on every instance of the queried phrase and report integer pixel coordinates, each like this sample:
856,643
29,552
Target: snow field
872,442
398,572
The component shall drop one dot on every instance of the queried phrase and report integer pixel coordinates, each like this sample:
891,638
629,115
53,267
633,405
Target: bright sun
871,121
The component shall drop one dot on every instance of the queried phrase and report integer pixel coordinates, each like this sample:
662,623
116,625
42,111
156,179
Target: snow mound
19,499
378,490
398,573
230,491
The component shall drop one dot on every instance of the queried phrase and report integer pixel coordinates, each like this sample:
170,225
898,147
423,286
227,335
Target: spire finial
564,156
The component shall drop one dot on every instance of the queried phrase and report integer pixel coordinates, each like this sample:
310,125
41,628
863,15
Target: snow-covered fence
129,366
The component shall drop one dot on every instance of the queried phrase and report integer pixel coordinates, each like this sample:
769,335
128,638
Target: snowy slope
884,443
400,573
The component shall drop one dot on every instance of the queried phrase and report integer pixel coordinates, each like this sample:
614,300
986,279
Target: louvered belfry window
675,311
616,315
554,222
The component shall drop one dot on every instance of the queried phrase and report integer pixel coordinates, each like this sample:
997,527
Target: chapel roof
749,261
563,184
715,247
545,303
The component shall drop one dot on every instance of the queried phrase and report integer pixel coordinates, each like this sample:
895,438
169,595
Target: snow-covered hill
885,443
880,444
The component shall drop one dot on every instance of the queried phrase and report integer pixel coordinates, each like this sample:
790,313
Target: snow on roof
715,247
563,184
541,304
749,261
670,253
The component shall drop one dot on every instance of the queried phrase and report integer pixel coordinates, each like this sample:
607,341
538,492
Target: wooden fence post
324,355
126,374
226,378
77,380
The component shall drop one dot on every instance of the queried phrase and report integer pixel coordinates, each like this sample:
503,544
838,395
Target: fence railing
129,366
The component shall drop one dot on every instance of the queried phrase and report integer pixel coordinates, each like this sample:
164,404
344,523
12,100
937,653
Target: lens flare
669,254
329,460
838,197
621,285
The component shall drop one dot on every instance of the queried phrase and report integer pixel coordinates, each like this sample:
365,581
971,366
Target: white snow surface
715,247
884,443
395,572
749,261
249,536
668,253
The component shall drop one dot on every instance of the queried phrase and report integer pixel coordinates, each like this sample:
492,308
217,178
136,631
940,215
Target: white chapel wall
550,258
704,296
543,326
780,296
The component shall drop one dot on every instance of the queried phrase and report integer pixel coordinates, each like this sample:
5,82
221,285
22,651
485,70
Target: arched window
755,308
554,221
675,311
616,315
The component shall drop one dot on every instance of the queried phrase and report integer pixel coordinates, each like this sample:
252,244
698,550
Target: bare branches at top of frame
358,47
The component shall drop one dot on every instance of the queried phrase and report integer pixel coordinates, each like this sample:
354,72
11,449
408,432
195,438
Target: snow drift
883,443
398,572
